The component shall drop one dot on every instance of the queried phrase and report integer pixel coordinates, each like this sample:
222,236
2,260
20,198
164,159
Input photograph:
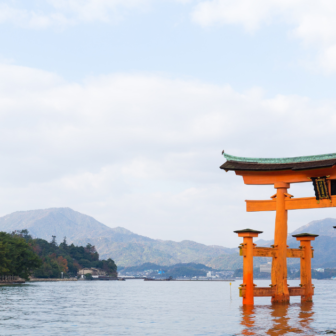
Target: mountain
324,245
323,227
129,249
56,221
123,246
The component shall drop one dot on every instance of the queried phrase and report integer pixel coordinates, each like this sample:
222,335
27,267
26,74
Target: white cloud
313,22
143,151
61,13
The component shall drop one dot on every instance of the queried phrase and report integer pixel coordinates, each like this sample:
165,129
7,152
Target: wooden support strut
270,291
270,252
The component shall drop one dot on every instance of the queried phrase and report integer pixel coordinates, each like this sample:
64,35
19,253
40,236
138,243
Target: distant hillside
324,245
123,246
56,221
174,271
129,249
323,227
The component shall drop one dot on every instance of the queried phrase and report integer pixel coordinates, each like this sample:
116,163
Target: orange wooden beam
288,176
295,253
271,252
291,204
270,291
252,206
265,252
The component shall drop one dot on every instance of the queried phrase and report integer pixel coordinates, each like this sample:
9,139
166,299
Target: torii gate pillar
279,263
248,235
305,267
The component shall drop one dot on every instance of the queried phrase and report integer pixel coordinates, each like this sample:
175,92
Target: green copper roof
247,230
281,160
305,235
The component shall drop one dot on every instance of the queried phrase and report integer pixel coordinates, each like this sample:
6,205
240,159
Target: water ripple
159,308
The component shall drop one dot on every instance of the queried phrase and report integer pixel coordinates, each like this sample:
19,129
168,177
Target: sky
120,109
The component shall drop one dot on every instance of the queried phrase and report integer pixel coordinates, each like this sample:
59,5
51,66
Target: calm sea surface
136,307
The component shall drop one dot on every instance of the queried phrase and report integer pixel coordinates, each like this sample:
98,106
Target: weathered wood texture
271,252
296,291
270,291
265,252
264,291
295,253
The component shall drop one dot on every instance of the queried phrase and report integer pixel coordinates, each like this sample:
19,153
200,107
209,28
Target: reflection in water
248,319
180,308
284,319
306,315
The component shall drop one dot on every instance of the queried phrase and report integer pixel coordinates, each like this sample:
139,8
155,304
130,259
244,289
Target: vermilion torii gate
319,169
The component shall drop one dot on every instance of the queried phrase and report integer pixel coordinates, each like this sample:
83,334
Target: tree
63,264
53,241
17,256
22,233
4,261
109,267
88,276
53,258
65,241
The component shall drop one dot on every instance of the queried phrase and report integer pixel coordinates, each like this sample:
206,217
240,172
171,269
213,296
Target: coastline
51,280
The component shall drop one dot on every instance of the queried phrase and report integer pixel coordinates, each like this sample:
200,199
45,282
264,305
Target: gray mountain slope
129,249
323,227
123,246
55,221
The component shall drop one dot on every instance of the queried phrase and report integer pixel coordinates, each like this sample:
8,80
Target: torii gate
319,169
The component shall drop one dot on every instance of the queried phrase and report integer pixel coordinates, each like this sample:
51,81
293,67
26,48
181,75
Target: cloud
143,152
62,13
312,22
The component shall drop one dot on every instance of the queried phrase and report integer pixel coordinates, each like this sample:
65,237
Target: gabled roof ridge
296,159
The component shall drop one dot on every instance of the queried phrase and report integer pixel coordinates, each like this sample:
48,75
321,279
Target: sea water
136,307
